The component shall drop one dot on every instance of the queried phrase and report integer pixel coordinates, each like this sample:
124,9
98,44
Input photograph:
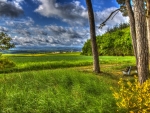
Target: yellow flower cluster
133,97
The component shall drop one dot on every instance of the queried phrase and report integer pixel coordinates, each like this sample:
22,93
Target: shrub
6,63
133,97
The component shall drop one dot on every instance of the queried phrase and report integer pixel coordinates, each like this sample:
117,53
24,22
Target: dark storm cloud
44,33
24,32
64,32
10,10
39,31
51,36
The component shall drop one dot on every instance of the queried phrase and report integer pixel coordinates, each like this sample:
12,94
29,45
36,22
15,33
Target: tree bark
148,24
142,42
132,27
96,67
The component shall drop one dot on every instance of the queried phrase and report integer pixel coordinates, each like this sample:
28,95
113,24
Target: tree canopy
5,42
116,41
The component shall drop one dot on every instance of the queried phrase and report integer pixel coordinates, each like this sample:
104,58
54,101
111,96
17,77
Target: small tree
5,42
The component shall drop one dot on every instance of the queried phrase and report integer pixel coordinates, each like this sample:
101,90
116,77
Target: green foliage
114,42
119,27
87,50
121,2
122,7
55,91
5,63
5,42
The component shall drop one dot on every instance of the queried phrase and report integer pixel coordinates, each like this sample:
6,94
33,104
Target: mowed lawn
60,83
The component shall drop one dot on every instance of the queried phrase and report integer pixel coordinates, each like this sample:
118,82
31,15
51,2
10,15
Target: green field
25,62
60,83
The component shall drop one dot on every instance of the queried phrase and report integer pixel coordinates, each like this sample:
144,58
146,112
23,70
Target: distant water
44,50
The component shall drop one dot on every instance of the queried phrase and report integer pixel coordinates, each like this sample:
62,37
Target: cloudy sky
47,23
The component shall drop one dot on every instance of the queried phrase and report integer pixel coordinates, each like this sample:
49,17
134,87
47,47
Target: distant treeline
115,42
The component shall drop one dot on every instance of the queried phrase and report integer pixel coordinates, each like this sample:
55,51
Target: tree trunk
148,24
132,27
96,67
142,42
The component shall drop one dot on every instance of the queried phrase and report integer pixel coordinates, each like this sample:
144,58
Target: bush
133,97
6,63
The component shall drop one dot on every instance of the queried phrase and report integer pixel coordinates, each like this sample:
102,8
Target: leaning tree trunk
142,43
96,67
132,27
148,24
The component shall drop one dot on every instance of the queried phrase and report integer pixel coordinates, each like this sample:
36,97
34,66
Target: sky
54,23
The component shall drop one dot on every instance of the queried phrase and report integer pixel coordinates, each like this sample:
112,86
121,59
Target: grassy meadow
60,83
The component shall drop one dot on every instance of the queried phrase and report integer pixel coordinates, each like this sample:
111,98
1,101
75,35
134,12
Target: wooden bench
127,71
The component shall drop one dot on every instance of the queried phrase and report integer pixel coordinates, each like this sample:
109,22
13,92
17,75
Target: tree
148,23
142,42
138,33
139,36
116,41
5,42
132,27
126,9
96,67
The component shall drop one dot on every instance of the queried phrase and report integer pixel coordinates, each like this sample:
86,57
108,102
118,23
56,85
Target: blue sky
47,23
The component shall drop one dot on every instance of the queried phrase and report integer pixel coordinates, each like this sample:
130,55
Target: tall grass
61,90
55,91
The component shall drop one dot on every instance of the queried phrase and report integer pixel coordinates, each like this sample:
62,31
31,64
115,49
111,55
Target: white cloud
102,15
25,33
3,0
3,29
17,3
76,14
21,23
72,13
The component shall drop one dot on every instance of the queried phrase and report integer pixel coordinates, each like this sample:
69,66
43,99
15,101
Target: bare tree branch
103,23
115,14
123,7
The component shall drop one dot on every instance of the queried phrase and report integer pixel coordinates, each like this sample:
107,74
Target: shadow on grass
110,75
